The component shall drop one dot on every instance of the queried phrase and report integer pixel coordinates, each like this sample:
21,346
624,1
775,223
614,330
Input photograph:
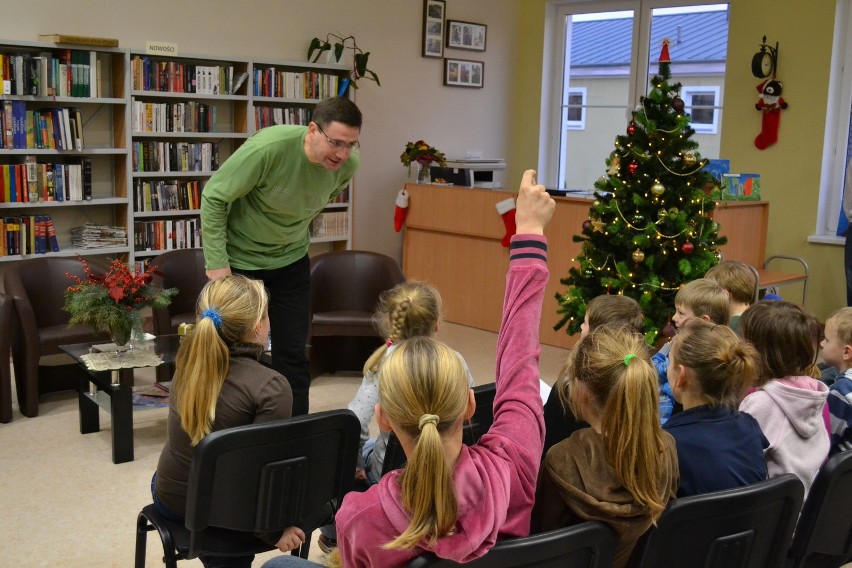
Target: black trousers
289,290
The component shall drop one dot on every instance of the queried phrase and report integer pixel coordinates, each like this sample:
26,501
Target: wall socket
473,154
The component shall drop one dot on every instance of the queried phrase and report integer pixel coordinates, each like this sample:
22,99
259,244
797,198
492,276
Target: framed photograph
464,73
466,35
433,27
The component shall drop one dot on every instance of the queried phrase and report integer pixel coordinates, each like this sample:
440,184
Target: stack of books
91,236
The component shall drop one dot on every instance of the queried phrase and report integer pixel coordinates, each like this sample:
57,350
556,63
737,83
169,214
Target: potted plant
338,43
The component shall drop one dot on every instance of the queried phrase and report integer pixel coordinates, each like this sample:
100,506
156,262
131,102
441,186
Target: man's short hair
704,297
337,109
737,278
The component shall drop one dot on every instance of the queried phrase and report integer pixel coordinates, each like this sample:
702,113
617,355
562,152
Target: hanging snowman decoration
770,102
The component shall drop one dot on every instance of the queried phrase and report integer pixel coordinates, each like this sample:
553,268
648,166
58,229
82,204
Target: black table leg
89,420
121,418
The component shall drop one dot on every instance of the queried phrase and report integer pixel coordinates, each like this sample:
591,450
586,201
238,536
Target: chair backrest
478,425
38,286
746,527
351,280
182,269
266,477
824,532
587,545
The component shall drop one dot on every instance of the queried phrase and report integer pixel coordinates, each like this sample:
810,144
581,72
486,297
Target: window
575,111
599,58
838,129
701,104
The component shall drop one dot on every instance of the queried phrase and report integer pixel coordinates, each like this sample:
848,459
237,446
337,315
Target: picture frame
434,23
464,73
466,35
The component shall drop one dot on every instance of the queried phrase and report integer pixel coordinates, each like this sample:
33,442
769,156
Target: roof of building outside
699,37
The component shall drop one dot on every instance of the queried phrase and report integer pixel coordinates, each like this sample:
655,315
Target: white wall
410,104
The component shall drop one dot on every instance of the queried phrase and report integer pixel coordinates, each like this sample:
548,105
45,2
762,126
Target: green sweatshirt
255,210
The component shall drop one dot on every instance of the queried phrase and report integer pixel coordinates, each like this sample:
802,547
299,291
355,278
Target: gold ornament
689,160
598,226
662,214
614,165
658,189
638,256
673,212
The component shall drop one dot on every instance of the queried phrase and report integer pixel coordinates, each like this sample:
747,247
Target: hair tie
428,419
388,342
213,315
628,357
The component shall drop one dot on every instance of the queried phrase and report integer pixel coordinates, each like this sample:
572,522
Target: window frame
553,66
581,123
837,142
687,92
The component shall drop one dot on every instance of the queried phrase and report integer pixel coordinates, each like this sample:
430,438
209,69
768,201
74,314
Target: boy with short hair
703,298
837,351
738,279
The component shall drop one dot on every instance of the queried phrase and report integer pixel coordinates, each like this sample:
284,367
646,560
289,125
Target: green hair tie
628,357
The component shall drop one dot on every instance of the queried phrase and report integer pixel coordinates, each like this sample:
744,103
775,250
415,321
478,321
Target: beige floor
64,503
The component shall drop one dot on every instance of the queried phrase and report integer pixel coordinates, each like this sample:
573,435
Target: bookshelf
64,150
187,115
285,92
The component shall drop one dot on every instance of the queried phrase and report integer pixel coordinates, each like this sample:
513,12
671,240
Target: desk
452,240
112,390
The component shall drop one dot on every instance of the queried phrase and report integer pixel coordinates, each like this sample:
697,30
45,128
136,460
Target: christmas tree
648,231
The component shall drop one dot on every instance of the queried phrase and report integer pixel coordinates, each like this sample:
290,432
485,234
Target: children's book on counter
731,186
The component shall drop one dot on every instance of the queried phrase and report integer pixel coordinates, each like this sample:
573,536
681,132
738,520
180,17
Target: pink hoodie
495,478
790,413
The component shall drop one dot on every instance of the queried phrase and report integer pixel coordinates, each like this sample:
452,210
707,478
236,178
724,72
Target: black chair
824,533
8,326
478,425
258,478
746,527
587,545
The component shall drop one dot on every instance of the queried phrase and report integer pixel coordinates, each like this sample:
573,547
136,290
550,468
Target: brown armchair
182,269
38,286
345,288
8,327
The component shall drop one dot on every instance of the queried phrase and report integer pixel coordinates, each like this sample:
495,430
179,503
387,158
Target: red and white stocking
401,210
506,209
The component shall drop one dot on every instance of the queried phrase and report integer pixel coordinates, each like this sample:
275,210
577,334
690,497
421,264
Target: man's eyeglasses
339,144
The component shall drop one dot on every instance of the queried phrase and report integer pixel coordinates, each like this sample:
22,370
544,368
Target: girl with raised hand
456,500
718,447
623,470
219,383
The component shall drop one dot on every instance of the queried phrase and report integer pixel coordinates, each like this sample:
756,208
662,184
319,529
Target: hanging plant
339,44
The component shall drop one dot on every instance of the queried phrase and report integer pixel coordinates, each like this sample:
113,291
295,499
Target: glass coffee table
108,384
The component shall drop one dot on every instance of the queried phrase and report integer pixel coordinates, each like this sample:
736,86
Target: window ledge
827,240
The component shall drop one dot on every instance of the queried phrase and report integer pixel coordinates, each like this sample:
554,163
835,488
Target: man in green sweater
255,214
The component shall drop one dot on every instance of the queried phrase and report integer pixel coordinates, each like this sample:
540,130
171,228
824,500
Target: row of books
173,117
92,236
330,225
269,116
342,197
66,73
167,234
48,128
155,156
272,82
28,234
33,182
167,195
149,74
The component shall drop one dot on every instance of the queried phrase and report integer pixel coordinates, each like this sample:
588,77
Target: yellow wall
790,170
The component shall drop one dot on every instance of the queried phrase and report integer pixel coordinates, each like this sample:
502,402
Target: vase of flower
423,155
424,175
119,332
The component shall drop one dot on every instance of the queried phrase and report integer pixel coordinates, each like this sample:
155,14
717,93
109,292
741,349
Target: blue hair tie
213,315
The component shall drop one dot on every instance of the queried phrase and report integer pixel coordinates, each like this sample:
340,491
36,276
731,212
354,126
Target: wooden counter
452,240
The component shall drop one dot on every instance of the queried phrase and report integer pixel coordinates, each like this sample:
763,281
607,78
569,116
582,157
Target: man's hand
293,537
217,273
534,206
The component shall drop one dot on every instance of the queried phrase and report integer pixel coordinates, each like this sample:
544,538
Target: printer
471,172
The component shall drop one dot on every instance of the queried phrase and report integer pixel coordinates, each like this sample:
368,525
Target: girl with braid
410,309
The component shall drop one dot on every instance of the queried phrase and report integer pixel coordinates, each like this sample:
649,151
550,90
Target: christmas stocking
506,209
770,104
401,210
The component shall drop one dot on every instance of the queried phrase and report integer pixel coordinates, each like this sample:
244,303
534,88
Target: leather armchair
345,287
8,327
38,286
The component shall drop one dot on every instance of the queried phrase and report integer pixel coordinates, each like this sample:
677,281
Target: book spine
51,234
87,179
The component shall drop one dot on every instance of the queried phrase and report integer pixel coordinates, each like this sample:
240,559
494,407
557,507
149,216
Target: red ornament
687,248
632,167
677,104
664,52
587,224
631,129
